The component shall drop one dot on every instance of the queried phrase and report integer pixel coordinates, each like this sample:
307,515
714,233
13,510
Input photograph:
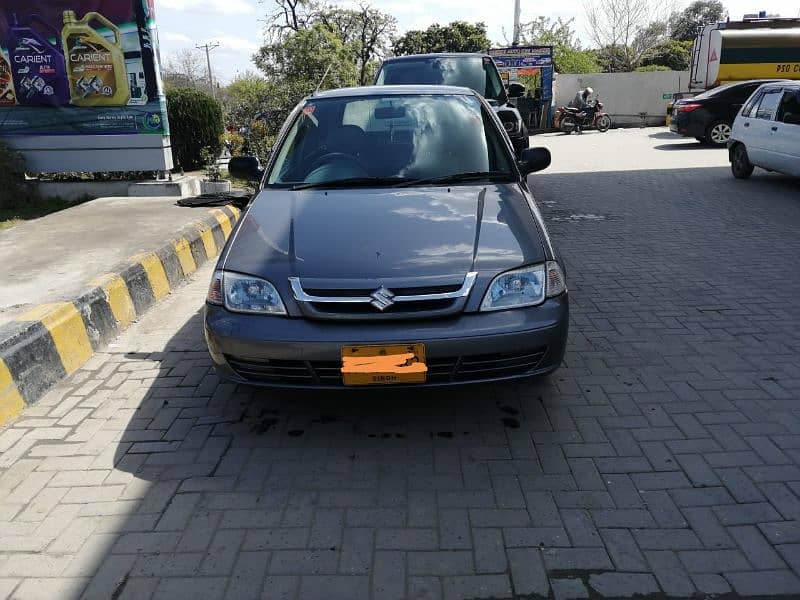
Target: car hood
387,233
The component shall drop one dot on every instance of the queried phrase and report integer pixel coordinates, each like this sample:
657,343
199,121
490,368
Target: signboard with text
83,75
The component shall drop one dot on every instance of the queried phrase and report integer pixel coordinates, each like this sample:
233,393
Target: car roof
395,90
781,84
391,59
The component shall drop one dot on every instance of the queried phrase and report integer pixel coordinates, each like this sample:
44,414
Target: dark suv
475,71
709,116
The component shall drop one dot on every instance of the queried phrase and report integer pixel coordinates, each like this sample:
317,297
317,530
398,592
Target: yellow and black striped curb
44,345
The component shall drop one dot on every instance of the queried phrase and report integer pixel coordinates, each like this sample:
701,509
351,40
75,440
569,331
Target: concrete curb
44,345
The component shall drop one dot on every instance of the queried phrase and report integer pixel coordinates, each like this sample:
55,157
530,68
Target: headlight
245,294
528,286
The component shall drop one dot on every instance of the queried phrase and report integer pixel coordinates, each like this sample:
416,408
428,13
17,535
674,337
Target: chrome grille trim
301,296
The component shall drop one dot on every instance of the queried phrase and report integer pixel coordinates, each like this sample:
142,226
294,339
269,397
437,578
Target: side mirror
534,159
516,90
245,167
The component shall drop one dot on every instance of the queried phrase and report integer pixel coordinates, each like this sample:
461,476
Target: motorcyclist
581,99
581,103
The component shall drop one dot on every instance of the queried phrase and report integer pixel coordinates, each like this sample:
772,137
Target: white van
766,132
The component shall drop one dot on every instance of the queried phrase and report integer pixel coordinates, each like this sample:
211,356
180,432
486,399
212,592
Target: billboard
83,75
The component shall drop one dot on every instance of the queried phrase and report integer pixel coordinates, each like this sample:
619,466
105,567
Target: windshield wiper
352,182
458,177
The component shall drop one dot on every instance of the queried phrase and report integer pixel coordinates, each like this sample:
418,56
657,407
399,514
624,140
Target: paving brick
707,527
623,585
763,583
713,561
333,587
490,552
707,496
357,548
311,562
572,559
744,514
454,529
406,539
708,583
568,589
756,548
476,586
782,498
449,562
520,537
528,575
667,539
623,550
623,517
389,575
280,587
670,573
580,527
425,588
199,588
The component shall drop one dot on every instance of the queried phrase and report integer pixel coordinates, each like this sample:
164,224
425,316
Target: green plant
650,68
210,166
15,189
195,123
235,143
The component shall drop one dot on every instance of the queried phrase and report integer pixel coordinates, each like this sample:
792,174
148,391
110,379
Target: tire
568,124
603,123
741,167
718,133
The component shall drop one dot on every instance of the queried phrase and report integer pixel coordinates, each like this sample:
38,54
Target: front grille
348,308
383,302
440,369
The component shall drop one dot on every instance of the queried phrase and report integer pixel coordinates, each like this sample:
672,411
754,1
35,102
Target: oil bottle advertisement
79,67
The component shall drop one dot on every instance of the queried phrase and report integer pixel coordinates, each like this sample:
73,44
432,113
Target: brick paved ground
663,459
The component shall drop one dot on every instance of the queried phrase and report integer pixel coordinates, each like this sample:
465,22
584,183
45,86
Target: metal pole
208,48
515,42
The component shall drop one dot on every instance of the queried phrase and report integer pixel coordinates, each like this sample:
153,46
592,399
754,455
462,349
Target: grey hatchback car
393,240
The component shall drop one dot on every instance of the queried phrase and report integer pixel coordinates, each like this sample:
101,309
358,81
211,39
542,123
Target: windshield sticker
308,111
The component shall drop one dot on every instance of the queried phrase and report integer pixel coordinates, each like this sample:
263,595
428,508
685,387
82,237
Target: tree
633,26
568,55
195,123
673,54
458,36
289,16
683,25
185,68
247,96
366,29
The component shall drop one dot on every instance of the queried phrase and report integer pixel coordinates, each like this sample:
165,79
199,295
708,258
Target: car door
759,148
785,134
735,98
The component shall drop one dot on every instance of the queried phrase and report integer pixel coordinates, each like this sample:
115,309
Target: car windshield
390,139
474,72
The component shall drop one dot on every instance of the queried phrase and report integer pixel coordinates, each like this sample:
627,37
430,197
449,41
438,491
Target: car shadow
684,145
665,135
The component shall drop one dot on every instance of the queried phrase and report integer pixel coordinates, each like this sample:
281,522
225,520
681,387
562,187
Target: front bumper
468,348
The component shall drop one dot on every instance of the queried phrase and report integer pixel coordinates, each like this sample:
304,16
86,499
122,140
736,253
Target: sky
238,25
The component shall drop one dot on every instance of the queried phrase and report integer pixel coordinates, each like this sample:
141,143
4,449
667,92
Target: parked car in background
475,71
766,133
393,240
709,116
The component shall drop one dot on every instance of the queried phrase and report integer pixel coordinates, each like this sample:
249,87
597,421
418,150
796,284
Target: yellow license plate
383,365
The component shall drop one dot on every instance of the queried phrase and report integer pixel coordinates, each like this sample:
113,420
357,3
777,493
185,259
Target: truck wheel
741,167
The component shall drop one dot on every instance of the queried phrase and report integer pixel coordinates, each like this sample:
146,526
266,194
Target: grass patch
33,209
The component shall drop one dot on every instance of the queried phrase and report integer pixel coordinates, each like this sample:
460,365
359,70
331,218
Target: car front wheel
718,133
741,167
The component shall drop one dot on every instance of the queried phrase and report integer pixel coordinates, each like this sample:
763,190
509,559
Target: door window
789,109
769,102
749,109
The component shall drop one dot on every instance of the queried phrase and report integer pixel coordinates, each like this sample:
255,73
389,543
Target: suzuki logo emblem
382,298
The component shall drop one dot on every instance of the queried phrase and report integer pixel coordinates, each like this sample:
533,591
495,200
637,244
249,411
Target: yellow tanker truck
759,48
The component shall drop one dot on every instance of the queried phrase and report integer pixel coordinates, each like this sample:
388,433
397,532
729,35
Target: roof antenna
325,74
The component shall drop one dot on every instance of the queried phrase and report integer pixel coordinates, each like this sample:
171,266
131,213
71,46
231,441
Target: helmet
588,91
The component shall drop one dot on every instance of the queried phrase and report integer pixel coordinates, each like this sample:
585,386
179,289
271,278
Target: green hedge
195,122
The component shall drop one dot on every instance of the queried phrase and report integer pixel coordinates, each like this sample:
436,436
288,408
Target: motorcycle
569,119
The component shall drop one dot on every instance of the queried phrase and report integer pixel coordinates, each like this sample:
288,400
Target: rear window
474,72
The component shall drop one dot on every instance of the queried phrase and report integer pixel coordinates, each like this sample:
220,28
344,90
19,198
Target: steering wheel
334,156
